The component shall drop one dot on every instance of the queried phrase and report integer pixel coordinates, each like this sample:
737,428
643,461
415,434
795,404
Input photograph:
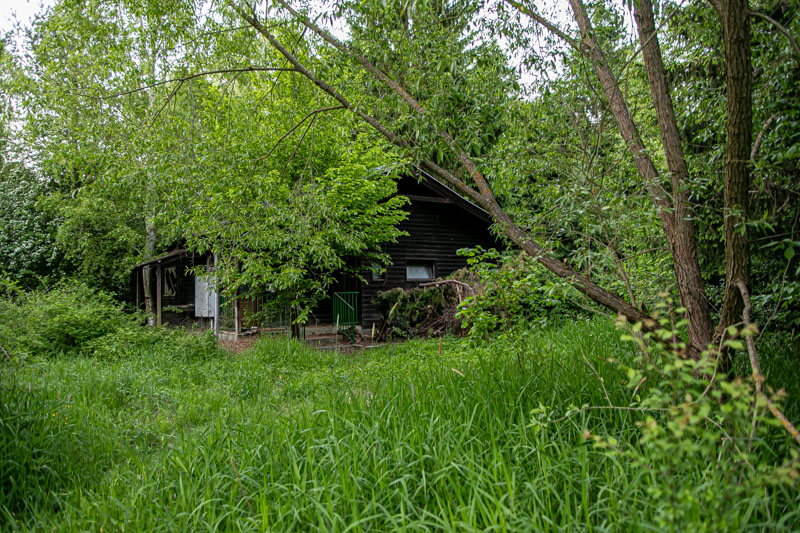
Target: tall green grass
178,436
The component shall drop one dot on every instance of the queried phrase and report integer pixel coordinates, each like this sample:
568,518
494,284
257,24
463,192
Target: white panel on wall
204,298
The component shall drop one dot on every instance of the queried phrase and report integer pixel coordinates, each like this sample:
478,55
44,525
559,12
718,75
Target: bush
494,293
61,320
73,318
509,290
131,340
699,424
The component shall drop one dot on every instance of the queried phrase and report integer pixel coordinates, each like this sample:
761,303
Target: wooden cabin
440,222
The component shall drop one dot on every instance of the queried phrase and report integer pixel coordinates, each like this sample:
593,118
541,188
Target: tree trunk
148,72
147,275
683,243
673,212
734,17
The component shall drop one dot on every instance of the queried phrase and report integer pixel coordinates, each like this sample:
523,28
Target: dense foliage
161,124
27,228
600,143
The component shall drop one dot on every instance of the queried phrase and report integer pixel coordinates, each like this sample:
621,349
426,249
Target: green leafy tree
27,230
169,127
662,171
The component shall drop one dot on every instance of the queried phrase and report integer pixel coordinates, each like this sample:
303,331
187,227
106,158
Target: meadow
163,431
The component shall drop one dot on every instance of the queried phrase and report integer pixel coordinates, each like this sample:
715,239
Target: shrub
509,290
132,339
701,431
66,318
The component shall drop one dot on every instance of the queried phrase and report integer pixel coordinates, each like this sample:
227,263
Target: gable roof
448,195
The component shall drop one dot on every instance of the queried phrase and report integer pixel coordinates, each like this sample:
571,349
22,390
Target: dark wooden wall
438,226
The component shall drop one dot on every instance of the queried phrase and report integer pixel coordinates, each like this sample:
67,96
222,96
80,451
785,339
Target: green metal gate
345,313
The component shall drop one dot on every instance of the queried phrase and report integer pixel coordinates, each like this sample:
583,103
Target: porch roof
174,254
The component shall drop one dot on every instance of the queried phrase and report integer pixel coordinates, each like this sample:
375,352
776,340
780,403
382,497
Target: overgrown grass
174,435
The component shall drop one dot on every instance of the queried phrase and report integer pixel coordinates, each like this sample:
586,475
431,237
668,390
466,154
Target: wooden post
217,316
138,286
237,326
158,294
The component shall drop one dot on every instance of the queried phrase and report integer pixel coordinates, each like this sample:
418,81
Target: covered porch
168,286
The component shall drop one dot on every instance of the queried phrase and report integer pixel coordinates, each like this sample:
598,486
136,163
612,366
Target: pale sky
23,9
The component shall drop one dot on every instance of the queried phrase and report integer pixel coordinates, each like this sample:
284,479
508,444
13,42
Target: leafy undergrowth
174,435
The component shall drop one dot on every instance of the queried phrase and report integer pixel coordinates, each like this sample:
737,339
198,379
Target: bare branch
297,146
649,38
760,137
751,348
544,22
241,488
574,412
324,86
455,282
183,79
171,94
312,114
597,375
755,365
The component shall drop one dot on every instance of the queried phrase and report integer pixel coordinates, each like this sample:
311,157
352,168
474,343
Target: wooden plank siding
440,222
182,283
438,226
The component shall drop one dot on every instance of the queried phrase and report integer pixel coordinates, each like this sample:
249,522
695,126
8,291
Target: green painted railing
256,310
345,313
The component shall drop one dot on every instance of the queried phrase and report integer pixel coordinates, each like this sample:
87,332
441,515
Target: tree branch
755,366
465,160
297,146
781,28
183,79
760,136
283,137
8,356
483,197
546,23
324,86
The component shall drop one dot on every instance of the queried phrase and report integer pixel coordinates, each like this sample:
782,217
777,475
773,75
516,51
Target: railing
256,311
345,313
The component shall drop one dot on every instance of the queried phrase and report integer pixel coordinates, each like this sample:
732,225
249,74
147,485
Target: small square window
419,270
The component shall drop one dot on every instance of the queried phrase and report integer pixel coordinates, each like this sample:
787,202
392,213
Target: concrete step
324,329
320,340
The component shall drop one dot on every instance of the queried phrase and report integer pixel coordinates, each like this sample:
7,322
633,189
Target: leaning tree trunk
673,210
483,196
683,243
